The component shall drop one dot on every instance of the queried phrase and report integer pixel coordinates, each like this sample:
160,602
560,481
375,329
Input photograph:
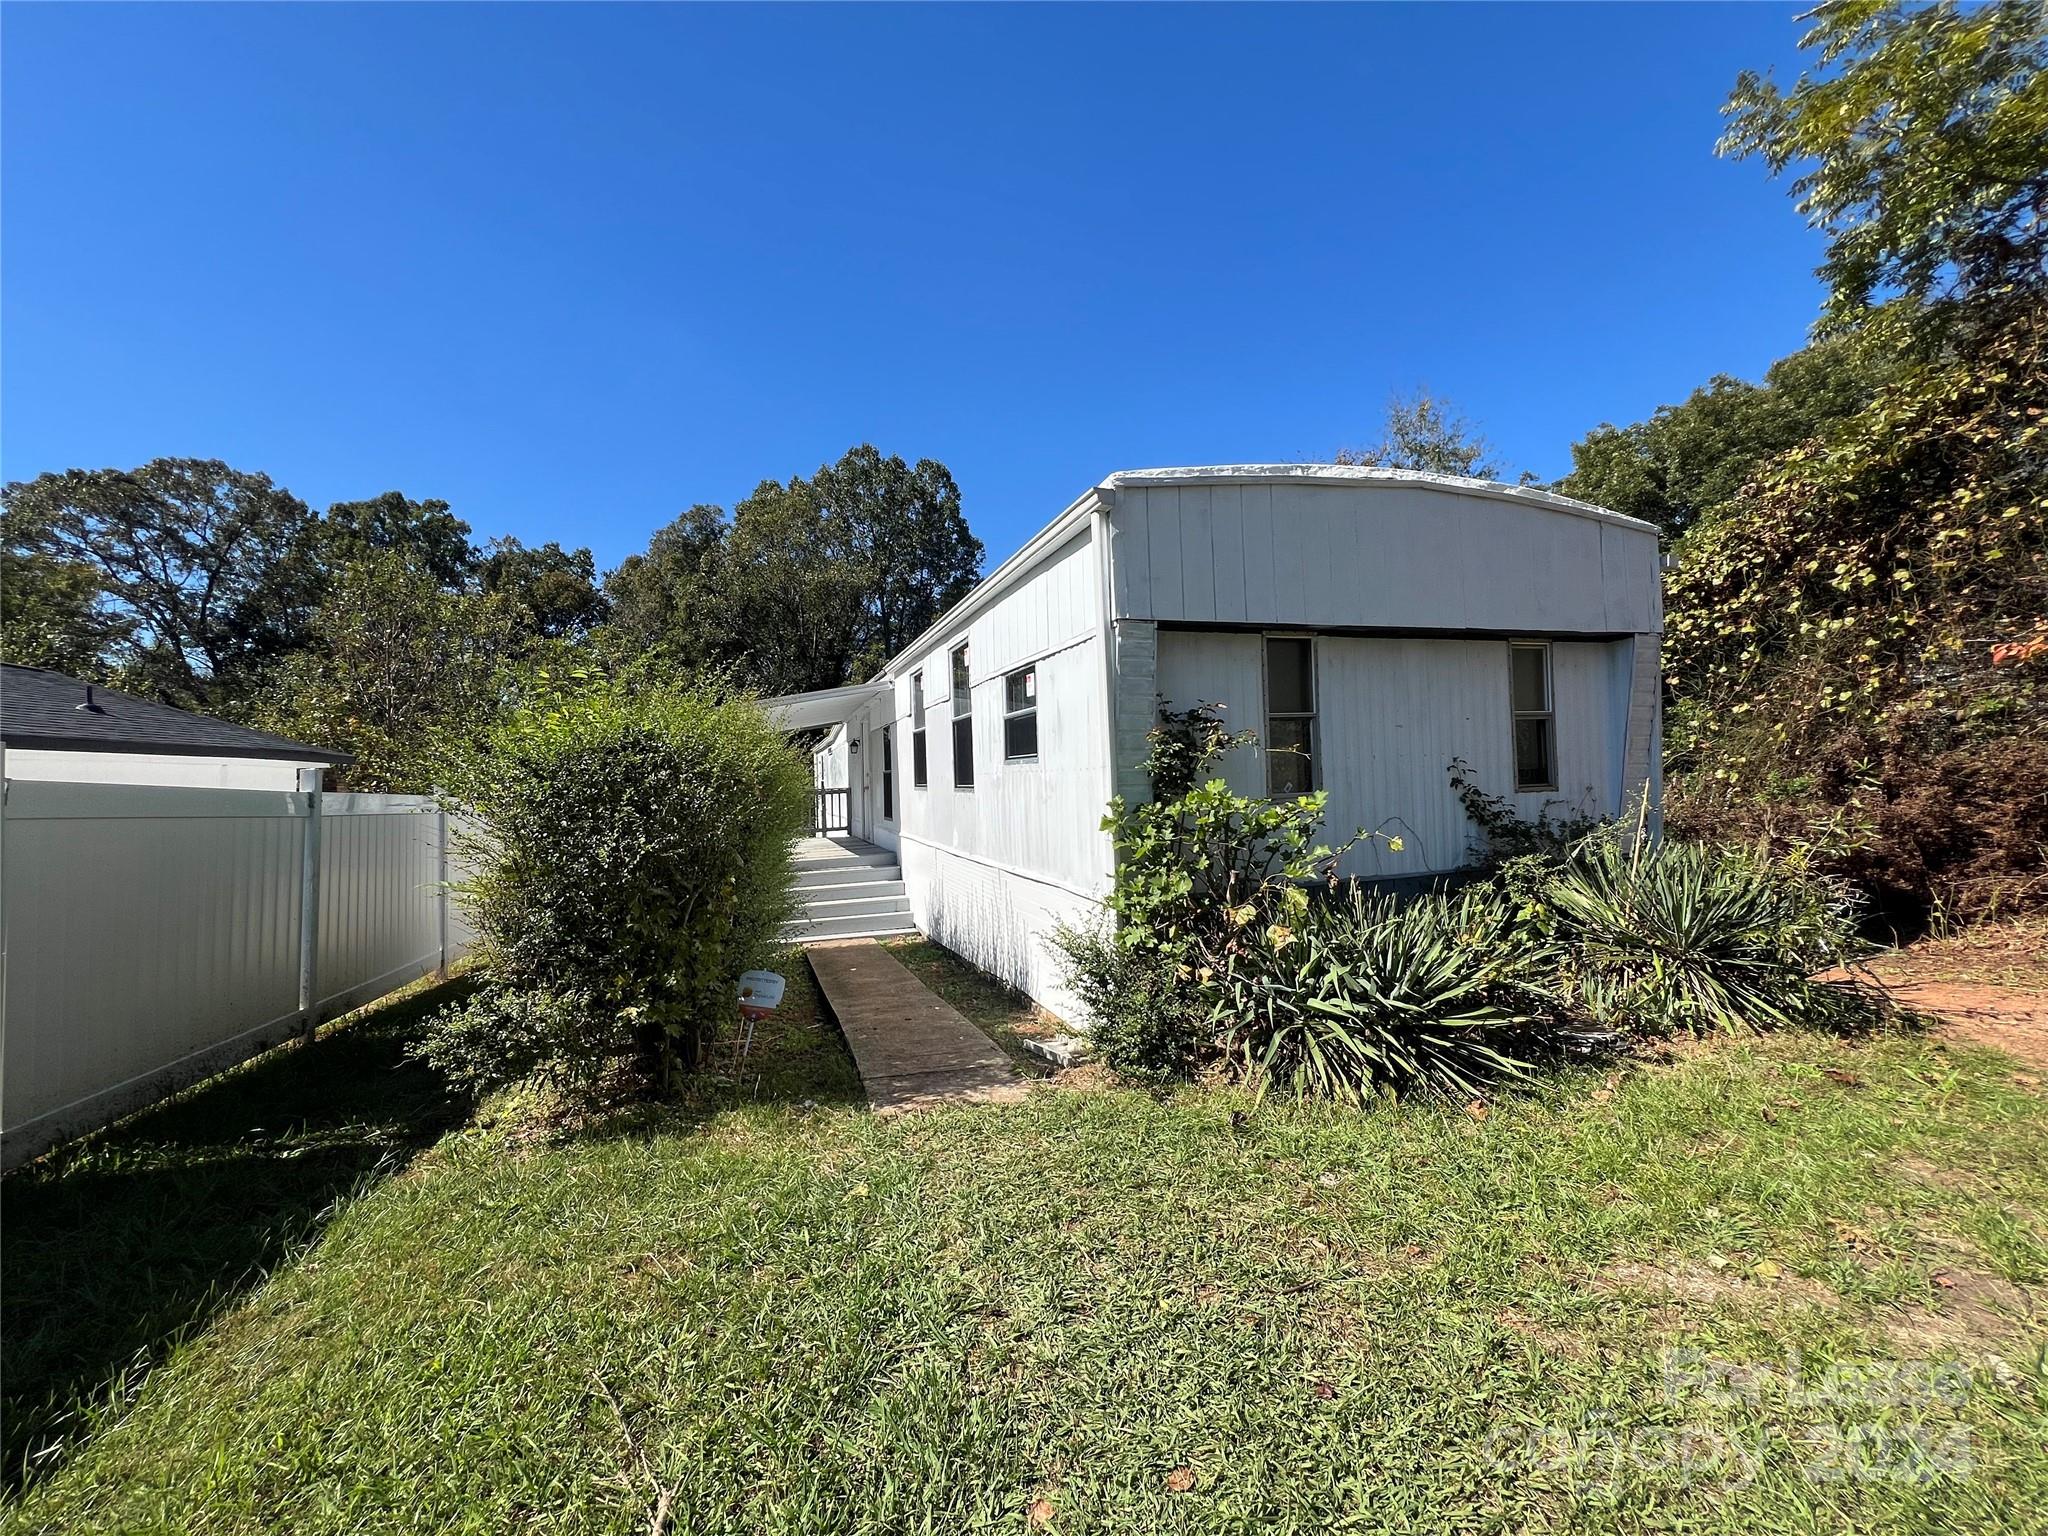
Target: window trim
1267,716
1031,710
961,701
1547,714
889,772
920,763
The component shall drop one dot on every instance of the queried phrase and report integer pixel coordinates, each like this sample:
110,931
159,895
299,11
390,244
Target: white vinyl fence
155,936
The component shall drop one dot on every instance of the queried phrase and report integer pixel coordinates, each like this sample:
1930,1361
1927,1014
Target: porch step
808,929
817,853
816,876
885,899
847,890
833,935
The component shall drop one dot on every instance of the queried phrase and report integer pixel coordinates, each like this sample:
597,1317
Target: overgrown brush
1684,938
1238,949
1443,994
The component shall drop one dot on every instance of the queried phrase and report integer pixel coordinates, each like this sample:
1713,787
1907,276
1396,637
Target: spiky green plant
1443,994
1670,938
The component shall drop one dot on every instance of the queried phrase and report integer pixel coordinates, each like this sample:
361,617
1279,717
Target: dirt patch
1088,1077
1969,1309
1920,1169
1689,1280
2001,954
1966,1310
2009,1019
1560,1341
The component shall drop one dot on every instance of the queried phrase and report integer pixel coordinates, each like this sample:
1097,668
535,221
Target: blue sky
573,268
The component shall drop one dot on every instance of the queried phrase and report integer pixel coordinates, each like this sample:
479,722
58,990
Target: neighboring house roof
46,711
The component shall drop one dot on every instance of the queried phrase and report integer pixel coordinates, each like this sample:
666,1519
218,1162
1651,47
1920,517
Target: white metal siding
1026,838
1225,670
1392,714
1378,556
996,919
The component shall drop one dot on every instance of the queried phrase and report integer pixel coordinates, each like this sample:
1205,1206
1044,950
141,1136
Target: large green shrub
1237,949
631,858
1669,937
1441,994
1148,1025
1224,954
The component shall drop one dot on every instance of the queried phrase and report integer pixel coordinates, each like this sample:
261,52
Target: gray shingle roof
40,709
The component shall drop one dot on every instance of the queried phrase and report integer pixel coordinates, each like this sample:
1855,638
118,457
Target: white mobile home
1376,624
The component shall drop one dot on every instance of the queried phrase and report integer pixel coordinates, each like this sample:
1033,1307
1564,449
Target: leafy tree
1689,458
789,608
436,538
1918,144
53,611
810,583
1425,432
397,670
660,601
905,531
202,565
552,591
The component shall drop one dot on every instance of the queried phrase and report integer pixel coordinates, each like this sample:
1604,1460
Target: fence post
441,881
309,903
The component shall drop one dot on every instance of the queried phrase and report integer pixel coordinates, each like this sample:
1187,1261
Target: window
1020,715
963,722
888,774
1290,715
1535,725
918,774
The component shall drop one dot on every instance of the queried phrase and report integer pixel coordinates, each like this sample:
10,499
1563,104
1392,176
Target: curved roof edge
1355,474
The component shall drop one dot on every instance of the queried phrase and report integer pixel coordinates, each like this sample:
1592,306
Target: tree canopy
397,669
1916,143
433,536
1423,431
552,592
810,582
1688,458
203,566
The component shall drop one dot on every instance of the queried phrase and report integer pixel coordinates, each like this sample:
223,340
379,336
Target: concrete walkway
914,1050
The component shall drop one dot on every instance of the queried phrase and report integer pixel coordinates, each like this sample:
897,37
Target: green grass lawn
766,1310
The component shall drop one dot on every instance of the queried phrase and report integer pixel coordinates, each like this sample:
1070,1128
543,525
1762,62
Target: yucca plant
1444,994
1670,937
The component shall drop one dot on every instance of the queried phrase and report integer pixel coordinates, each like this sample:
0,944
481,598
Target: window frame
1311,715
920,762
959,660
1547,714
889,772
1029,712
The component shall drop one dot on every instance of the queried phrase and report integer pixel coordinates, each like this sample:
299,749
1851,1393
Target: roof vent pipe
88,705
